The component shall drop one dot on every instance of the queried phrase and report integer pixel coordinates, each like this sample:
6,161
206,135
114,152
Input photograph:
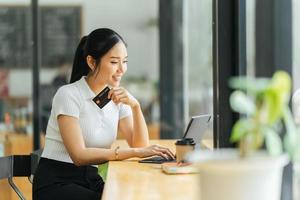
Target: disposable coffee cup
183,147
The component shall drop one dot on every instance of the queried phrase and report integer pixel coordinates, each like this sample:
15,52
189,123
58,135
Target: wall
134,20
296,43
20,81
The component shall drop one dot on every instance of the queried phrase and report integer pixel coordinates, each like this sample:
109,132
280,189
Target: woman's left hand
121,95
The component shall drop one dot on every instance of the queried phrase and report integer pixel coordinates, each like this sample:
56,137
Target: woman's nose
121,67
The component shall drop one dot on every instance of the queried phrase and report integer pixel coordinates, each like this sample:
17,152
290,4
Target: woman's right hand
153,150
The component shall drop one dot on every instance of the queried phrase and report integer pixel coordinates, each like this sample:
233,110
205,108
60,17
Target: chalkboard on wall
15,37
60,33
60,28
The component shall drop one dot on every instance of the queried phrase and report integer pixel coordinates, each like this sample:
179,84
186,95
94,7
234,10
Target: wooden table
132,180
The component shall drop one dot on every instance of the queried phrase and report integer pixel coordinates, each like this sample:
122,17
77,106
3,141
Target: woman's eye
125,61
113,62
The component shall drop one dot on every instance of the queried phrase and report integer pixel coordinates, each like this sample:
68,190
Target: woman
79,134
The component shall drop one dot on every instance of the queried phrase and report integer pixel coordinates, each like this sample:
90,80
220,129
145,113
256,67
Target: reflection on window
199,56
138,26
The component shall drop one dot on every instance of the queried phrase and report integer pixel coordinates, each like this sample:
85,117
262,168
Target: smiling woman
79,134
113,65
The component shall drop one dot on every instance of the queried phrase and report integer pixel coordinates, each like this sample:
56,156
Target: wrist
117,152
136,152
135,105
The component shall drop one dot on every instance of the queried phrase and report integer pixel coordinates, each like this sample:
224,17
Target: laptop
199,128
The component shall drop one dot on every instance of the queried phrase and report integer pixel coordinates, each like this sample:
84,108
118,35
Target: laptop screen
199,128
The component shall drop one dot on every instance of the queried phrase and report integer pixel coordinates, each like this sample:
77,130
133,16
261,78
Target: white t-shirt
99,127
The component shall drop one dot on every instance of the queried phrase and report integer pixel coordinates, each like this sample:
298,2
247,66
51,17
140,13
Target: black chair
35,158
19,166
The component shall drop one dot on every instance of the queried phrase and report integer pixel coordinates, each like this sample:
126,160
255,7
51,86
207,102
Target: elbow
140,144
77,163
143,143
77,160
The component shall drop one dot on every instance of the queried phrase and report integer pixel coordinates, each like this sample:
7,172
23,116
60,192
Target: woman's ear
91,62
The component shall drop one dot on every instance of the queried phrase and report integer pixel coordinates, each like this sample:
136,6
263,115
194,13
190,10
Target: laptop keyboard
157,160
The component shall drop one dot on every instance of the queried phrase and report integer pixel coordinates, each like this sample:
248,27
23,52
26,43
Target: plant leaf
281,82
249,84
296,157
273,141
242,103
273,106
276,96
242,127
291,139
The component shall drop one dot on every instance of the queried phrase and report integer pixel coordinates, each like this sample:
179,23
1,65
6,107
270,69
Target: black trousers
63,181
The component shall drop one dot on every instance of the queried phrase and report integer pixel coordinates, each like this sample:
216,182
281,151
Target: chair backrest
19,166
6,164
35,158
15,166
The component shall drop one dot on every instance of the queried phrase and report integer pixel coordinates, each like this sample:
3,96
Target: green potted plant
264,105
249,172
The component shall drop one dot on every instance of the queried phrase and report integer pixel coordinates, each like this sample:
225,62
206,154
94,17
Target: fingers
165,151
170,153
121,95
120,98
156,150
116,94
162,155
115,91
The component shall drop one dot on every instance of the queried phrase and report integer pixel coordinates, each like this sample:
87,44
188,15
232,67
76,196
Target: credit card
102,98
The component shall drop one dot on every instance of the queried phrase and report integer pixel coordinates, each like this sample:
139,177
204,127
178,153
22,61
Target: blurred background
63,23
28,80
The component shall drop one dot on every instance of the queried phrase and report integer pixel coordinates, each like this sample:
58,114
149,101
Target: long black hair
96,44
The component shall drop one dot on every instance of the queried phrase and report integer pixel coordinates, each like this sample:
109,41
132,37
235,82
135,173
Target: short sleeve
125,111
66,102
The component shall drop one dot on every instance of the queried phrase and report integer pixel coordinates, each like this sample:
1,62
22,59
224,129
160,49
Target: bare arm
81,155
74,143
134,127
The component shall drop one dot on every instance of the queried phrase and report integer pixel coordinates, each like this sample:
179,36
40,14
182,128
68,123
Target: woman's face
112,66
